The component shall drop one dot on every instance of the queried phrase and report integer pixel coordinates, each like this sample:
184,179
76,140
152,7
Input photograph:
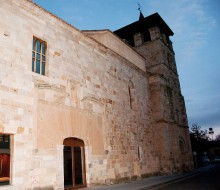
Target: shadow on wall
50,187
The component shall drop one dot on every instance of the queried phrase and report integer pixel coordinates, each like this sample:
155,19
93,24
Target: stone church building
79,108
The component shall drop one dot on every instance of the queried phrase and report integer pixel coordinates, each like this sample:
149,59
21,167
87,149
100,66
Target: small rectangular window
170,102
5,159
39,56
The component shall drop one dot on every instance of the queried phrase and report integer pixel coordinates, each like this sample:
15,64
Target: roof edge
113,34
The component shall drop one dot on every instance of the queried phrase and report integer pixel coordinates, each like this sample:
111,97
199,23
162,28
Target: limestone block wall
84,94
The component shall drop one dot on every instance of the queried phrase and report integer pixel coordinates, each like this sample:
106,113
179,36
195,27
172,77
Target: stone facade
123,102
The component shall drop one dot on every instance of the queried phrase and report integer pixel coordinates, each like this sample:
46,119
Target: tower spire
141,16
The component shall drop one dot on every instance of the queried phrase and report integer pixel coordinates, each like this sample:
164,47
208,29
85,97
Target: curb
153,182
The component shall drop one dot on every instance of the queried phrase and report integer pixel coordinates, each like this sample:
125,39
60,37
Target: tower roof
141,17
143,23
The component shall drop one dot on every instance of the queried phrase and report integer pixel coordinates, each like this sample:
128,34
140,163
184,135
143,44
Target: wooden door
74,163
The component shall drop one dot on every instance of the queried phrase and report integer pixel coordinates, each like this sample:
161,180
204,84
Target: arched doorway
74,163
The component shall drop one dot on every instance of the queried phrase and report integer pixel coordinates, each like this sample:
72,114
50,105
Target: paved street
205,180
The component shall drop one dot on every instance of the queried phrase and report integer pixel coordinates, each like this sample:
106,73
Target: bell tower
150,36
